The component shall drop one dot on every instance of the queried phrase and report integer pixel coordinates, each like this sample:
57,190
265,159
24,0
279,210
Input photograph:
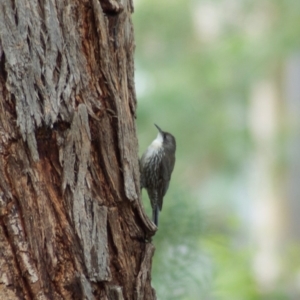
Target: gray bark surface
71,221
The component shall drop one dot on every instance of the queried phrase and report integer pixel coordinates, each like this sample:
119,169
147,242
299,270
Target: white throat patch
154,148
157,143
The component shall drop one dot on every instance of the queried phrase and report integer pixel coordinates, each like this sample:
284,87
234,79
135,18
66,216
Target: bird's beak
158,128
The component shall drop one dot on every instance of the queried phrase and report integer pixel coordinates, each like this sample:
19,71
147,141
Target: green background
196,81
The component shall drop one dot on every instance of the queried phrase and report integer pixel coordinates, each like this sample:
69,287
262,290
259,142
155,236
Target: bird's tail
155,213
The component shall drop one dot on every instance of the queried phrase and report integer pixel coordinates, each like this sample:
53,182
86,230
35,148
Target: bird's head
165,139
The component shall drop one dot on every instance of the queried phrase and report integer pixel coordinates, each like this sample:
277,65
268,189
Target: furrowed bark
71,221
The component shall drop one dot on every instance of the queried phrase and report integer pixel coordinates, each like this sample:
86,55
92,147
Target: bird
156,167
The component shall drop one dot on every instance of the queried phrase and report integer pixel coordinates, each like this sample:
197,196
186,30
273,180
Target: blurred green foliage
198,89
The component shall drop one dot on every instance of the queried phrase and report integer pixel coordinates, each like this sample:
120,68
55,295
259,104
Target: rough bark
71,221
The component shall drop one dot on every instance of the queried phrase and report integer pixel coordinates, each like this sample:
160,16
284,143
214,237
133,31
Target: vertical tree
71,221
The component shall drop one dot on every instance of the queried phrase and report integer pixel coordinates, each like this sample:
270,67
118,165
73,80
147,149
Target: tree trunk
71,222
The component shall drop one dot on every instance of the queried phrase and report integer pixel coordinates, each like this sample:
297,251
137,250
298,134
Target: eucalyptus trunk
71,221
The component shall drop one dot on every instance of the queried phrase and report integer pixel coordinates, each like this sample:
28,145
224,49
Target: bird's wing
167,167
